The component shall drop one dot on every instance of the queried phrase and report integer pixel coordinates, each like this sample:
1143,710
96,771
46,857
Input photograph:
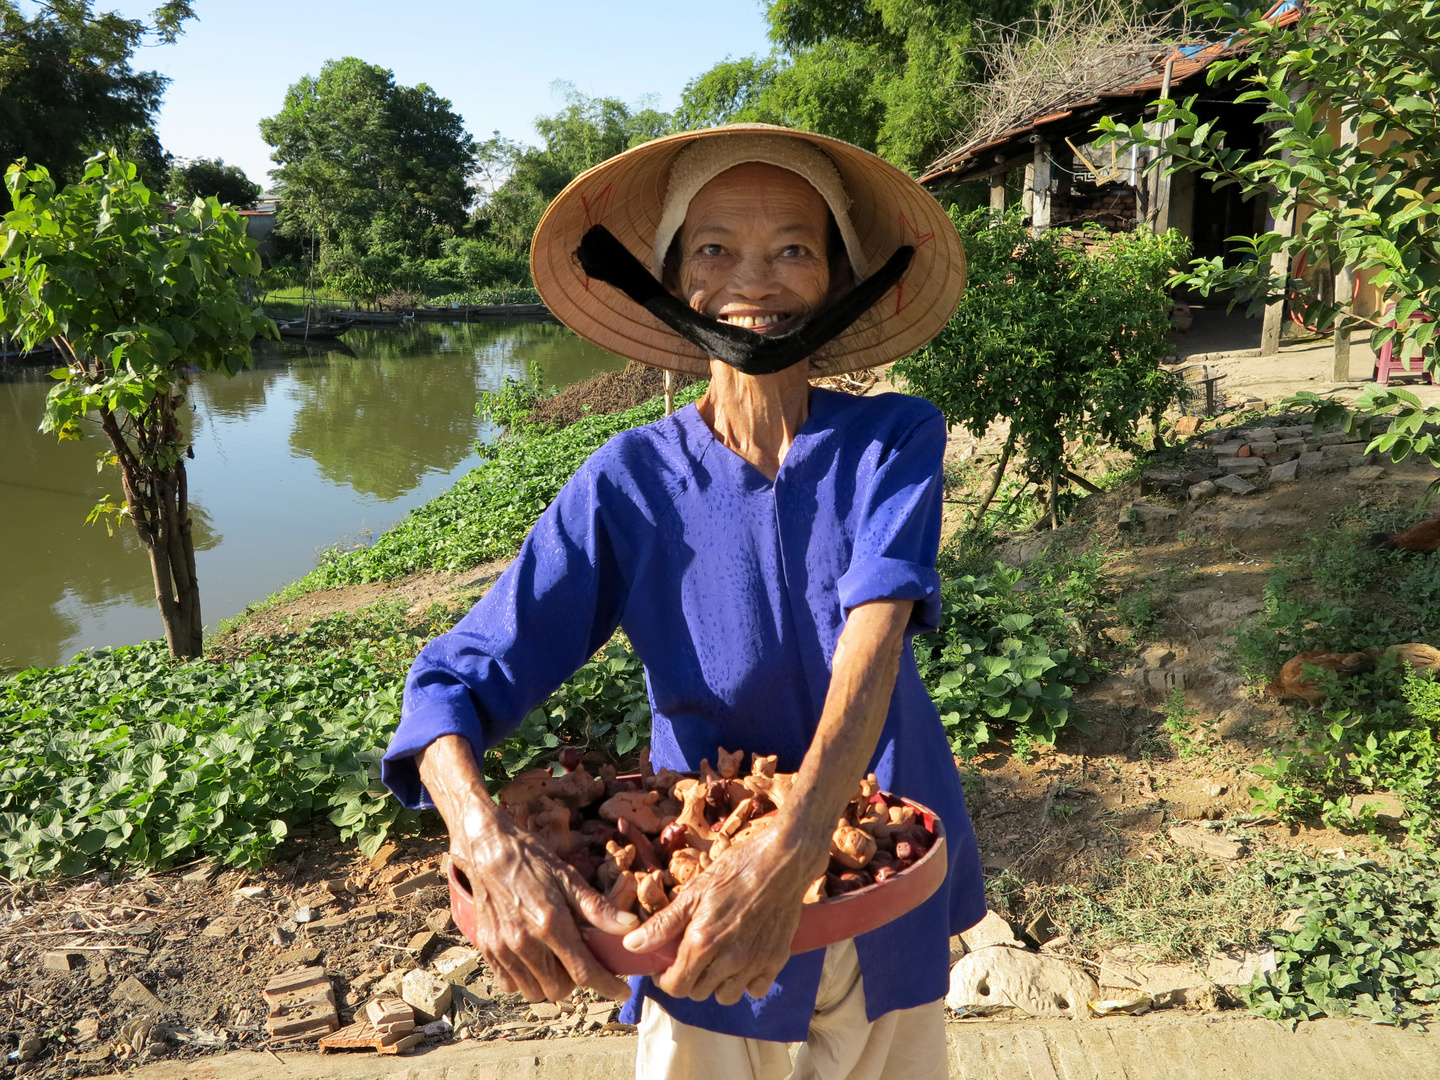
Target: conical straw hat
626,194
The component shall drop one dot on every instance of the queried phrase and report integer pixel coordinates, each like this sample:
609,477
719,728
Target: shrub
1061,334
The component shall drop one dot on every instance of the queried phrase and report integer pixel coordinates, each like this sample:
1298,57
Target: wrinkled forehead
757,195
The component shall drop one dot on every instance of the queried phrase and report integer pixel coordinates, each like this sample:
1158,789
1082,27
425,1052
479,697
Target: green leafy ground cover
1375,732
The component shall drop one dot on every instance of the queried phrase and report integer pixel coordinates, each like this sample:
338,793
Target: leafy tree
135,299
892,76
1062,342
67,88
200,178
585,132
1371,65
375,172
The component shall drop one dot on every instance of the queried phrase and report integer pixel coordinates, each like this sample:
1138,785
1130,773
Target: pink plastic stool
1386,364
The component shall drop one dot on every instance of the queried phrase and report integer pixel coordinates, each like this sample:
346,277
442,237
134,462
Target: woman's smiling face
753,249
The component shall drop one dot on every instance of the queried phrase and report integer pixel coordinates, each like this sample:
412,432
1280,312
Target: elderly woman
769,551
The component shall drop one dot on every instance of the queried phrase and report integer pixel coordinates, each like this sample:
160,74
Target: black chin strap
606,259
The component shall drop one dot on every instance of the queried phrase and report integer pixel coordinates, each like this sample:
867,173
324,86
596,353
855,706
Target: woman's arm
737,919
526,899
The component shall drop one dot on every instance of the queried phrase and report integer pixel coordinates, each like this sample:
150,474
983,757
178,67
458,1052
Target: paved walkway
1175,1047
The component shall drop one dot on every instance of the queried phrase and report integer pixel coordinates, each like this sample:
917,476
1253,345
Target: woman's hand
737,920
526,899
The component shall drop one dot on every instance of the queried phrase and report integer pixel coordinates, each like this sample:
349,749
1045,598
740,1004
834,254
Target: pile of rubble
1248,458
995,974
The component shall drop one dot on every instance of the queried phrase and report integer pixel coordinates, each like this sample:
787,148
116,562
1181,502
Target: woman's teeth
752,321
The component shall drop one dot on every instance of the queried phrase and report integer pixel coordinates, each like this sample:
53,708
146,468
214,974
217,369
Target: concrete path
1175,1047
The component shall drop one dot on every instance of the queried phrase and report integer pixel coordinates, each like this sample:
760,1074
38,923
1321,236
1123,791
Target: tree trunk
159,503
994,484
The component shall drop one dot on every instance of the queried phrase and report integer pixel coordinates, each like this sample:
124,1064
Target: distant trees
200,178
523,179
375,173
893,76
67,88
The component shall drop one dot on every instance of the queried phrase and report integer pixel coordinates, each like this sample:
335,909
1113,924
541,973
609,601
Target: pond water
311,448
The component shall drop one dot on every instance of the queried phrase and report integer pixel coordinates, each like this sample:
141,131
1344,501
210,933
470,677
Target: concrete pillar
997,191
1040,188
1027,189
1275,310
1344,282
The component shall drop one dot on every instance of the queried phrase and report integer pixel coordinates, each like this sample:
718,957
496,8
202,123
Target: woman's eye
793,251
711,249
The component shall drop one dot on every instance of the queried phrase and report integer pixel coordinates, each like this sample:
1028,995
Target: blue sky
494,61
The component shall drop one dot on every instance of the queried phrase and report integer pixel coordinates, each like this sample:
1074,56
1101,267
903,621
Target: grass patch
1180,908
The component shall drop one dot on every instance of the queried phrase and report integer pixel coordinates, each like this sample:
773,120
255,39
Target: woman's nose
754,277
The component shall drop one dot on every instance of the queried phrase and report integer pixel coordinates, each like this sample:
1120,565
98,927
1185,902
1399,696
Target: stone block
389,1014
456,964
441,920
1164,984
1228,449
402,889
1157,656
1186,426
201,875
299,957
1261,449
1279,457
62,961
1145,512
426,994
1365,474
1235,485
423,943
1286,471
134,991
1342,450
1203,490
989,931
1238,968
1207,843
998,981
1242,466
383,854
1389,811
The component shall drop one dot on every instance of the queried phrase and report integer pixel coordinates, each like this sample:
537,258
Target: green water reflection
314,446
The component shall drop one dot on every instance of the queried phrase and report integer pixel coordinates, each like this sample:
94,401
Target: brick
338,886
292,982
1279,457
1203,490
409,886
456,964
1235,485
305,957
1188,425
441,920
224,926
427,995
1342,450
346,919
545,1010
89,1057
301,1003
201,875
423,943
1147,512
62,961
1228,449
383,855
387,1013
363,1035
1365,474
1242,466
1207,843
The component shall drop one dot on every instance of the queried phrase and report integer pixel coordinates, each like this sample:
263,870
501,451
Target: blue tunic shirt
733,591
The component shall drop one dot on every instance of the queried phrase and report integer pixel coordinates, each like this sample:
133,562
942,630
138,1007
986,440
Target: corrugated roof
1188,61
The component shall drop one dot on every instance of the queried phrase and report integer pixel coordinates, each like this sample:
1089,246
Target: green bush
1007,654
1062,334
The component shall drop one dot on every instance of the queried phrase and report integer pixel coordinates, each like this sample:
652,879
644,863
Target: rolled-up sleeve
898,532
549,612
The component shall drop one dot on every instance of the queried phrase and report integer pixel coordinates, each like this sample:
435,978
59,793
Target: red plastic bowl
821,924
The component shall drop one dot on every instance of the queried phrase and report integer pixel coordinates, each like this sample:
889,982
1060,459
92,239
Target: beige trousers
908,1044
